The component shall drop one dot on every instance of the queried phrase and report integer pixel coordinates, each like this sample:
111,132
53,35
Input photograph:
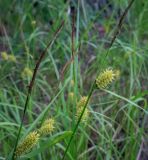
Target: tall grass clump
73,80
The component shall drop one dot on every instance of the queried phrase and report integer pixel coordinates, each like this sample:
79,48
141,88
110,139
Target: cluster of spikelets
47,127
106,77
26,73
8,57
79,108
29,142
32,138
102,81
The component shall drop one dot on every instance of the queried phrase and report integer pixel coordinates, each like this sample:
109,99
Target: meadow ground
67,115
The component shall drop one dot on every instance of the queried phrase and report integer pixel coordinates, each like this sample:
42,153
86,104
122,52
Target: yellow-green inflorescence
29,142
4,55
27,72
79,108
106,77
8,57
47,127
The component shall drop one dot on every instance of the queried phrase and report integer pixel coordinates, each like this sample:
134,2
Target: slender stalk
73,51
119,25
30,87
79,120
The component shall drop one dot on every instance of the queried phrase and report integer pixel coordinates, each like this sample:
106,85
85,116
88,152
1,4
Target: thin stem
79,120
32,83
119,25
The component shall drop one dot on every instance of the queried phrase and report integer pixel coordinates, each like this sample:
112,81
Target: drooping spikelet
105,78
47,127
4,55
79,108
29,142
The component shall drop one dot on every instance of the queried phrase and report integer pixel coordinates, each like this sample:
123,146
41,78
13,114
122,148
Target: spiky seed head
85,114
79,108
47,127
4,55
29,142
82,102
105,78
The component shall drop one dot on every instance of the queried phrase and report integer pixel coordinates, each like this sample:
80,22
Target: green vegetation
68,115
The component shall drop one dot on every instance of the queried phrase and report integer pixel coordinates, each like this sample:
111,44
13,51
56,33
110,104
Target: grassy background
116,128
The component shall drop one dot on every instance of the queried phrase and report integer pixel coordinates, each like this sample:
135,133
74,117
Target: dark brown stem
119,25
73,15
118,28
30,87
73,31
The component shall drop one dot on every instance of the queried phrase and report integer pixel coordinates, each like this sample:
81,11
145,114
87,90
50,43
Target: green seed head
105,78
28,143
47,127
